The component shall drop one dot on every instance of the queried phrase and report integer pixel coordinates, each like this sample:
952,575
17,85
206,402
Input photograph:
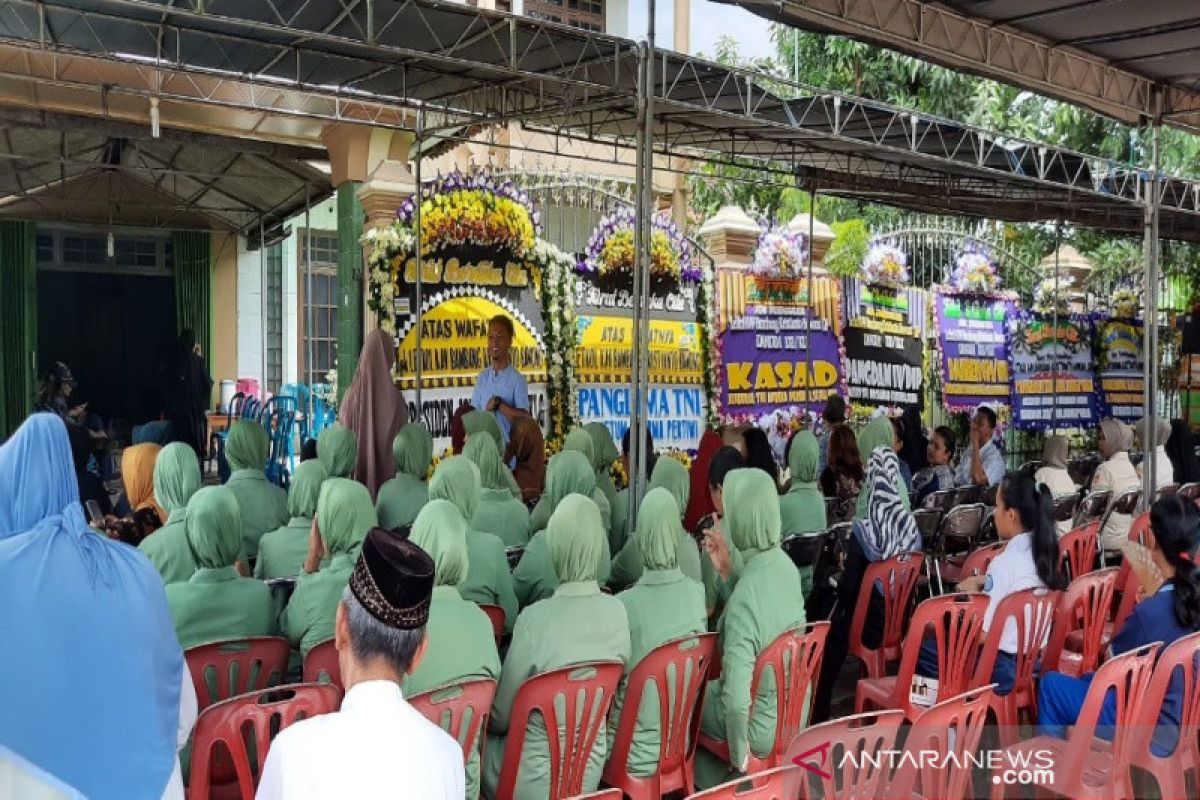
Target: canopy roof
1113,56
69,169
372,61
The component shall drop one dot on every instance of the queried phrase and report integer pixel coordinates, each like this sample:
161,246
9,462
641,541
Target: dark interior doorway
115,331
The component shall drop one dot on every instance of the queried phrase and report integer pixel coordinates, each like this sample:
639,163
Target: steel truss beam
998,51
372,62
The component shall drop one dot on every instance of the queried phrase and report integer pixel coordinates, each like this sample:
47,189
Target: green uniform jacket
461,648
716,590
765,602
488,579
663,605
308,619
575,625
281,552
542,511
535,579
217,604
262,504
399,501
618,534
168,550
627,566
503,515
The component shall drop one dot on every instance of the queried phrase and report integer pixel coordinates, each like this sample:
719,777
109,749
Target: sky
710,21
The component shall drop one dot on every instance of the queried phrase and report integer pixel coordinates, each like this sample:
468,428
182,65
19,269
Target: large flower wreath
975,270
885,264
458,211
780,253
610,251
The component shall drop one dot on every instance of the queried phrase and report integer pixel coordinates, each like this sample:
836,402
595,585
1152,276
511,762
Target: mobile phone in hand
97,519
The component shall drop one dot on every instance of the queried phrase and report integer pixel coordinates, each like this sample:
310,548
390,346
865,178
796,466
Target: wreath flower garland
885,265
610,250
975,270
1049,295
780,253
1125,303
476,210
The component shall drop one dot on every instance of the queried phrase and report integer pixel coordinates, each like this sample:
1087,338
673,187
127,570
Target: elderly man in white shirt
981,464
377,745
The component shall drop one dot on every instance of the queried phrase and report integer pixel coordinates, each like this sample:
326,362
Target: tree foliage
806,61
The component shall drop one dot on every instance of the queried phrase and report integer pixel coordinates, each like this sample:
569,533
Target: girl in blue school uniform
1024,519
1168,612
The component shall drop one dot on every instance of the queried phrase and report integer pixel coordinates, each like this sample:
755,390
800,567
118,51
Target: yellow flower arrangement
449,451
471,216
617,472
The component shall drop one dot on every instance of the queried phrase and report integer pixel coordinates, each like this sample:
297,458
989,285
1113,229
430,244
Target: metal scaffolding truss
373,61
1113,56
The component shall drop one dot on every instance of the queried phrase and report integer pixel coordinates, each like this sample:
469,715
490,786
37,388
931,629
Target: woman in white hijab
1164,470
1054,475
1117,475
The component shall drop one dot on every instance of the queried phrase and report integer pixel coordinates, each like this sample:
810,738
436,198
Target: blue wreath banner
1053,372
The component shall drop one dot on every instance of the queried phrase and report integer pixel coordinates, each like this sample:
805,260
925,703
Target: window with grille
274,265
318,305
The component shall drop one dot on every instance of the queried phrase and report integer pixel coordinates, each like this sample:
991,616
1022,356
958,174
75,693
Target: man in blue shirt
982,464
500,389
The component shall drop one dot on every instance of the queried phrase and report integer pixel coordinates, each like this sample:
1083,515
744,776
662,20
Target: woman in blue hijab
93,677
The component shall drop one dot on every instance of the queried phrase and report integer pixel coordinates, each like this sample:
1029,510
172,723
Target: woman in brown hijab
527,446
375,410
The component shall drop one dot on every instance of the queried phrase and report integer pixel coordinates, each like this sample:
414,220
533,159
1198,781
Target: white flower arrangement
885,265
1049,295
1125,303
975,271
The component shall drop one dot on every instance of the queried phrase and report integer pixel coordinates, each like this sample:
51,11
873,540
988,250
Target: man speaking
500,389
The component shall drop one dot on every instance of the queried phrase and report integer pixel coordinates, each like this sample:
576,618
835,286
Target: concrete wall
224,357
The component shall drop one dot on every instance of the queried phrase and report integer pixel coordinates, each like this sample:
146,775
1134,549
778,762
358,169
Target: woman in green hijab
401,498
345,514
487,579
281,552
604,453
878,433
176,479
802,509
461,646
579,442
765,602
483,423
215,602
577,624
337,450
664,604
262,504
499,513
672,477
535,577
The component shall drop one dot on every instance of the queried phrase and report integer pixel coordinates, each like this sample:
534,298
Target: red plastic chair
251,721
223,669
321,665
772,784
821,749
954,726
1171,771
1139,529
681,666
603,794
447,707
1033,612
496,615
974,564
897,578
1077,550
1085,607
797,654
587,688
1085,765
957,621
